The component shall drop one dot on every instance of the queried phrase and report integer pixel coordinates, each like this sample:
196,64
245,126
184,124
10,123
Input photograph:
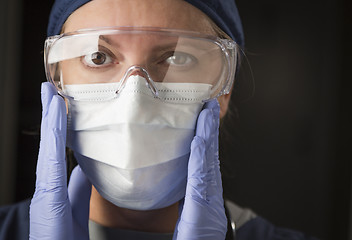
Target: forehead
176,14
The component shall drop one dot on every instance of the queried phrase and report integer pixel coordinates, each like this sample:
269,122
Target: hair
218,31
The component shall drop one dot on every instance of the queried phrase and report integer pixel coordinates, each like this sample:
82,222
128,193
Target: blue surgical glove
57,211
202,215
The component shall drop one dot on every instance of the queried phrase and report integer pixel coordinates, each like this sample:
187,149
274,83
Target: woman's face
174,14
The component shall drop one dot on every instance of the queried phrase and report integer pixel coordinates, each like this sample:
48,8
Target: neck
107,214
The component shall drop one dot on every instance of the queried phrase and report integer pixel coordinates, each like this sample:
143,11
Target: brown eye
98,58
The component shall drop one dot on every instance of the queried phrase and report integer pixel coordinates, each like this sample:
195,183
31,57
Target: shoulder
14,221
250,226
259,228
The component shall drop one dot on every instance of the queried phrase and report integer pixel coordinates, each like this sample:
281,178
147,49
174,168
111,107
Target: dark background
287,156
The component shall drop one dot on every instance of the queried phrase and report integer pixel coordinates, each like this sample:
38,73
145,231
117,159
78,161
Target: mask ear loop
149,81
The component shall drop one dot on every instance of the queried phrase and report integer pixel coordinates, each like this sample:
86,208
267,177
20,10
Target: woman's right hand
57,211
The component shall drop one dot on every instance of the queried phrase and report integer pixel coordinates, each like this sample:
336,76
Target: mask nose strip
136,70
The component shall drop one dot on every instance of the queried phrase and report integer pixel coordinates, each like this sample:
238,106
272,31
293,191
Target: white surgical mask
134,148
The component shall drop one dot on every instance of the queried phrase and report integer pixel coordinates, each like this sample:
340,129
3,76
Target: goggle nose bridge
149,81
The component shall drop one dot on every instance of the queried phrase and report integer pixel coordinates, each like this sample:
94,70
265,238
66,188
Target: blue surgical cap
223,12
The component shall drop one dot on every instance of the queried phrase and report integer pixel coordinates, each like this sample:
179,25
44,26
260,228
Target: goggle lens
105,56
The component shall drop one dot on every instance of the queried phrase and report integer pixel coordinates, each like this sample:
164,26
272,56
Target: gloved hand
202,215
57,211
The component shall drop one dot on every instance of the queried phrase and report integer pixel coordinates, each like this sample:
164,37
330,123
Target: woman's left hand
202,215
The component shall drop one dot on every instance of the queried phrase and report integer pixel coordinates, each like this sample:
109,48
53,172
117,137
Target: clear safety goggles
161,56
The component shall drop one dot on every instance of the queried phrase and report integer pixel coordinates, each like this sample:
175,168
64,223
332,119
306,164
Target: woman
133,96
144,85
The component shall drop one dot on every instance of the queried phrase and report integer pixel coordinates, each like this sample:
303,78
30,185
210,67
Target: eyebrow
107,40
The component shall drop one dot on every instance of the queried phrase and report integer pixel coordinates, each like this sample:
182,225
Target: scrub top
14,225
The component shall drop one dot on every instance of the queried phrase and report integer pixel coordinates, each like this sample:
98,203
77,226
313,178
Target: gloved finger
212,104
208,126
47,93
198,178
201,157
215,107
50,213
79,191
206,130
56,181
